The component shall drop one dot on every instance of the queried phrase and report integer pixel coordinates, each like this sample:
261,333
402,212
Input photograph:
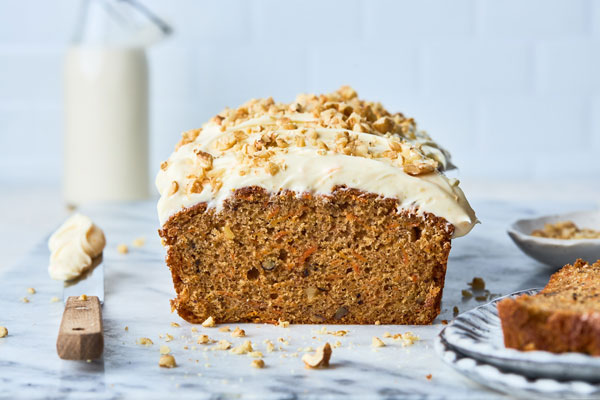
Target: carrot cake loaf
563,317
326,210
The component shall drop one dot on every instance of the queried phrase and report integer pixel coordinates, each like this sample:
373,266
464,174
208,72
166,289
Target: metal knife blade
90,283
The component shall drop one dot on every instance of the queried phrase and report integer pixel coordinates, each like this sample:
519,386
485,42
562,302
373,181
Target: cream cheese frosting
294,149
73,246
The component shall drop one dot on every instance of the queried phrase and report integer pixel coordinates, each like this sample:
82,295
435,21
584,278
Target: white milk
106,136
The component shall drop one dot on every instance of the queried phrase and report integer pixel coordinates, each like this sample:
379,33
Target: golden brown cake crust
563,317
348,257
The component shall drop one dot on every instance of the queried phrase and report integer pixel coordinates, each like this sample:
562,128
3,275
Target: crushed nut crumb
244,348
428,377
25,300
257,364
255,354
168,337
270,346
224,329
167,361
83,297
376,342
3,331
319,359
203,339
122,249
209,322
222,345
165,349
31,290
238,332
54,299
145,341
194,329
139,242
175,325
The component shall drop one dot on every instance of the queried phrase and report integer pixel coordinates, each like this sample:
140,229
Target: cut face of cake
563,317
326,210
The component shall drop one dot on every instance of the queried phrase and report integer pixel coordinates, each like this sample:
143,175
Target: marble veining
138,289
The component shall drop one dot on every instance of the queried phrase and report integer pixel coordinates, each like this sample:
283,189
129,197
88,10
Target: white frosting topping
73,246
309,158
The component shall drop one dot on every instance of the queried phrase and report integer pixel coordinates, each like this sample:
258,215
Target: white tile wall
511,87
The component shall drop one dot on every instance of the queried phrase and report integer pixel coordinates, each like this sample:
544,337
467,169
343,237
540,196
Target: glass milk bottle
106,103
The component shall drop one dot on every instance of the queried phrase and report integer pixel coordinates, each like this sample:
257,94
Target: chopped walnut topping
319,359
257,364
164,165
209,322
206,159
174,188
565,230
167,361
272,168
376,342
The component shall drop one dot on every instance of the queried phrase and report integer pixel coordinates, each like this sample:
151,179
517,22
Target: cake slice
326,210
563,317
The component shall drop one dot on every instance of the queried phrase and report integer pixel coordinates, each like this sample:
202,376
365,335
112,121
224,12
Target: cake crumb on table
167,361
168,337
209,322
387,335
255,354
175,325
31,290
25,300
123,249
127,328
337,344
477,283
54,299
145,341
376,342
224,329
258,363
165,349
194,329
3,331
428,376
83,297
319,359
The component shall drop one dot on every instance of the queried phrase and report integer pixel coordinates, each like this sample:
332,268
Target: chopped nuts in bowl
554,252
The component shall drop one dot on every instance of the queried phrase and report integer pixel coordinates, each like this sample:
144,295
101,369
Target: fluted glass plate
477,334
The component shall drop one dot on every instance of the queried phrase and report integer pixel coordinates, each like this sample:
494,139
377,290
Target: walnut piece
319,359
238,332
376,342
167,361
209,322
145,341
257,364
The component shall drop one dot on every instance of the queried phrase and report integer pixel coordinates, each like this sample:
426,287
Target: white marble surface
138,288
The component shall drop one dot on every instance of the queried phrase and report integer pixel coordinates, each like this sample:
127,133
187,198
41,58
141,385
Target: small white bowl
557,252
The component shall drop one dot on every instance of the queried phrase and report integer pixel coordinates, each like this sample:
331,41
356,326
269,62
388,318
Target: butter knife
81,335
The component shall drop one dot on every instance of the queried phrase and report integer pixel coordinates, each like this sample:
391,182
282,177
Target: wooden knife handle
81,336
